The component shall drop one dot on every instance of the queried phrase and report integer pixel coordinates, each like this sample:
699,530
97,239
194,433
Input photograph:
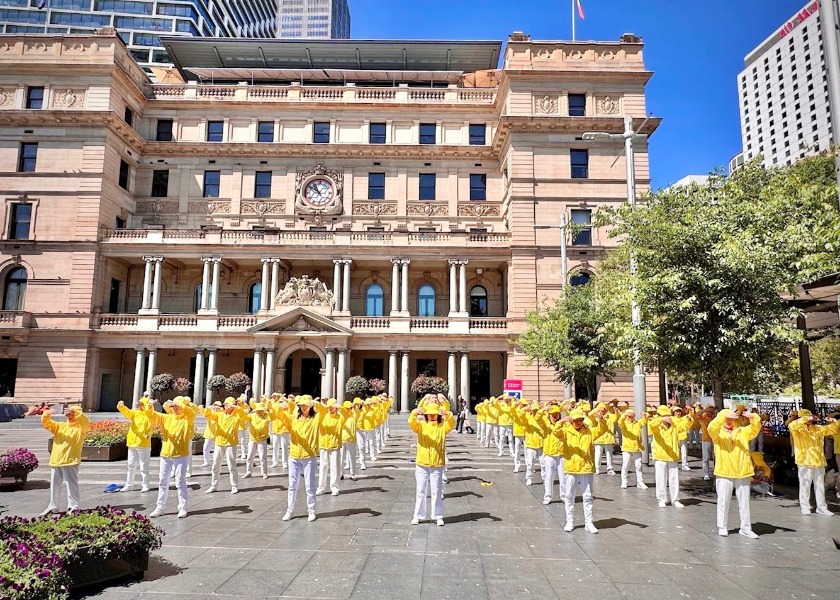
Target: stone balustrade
15,319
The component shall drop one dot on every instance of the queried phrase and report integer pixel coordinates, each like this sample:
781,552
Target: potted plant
237,383
161,384
215,383
356,387
182,385
15,467
427,384
377,386
104,441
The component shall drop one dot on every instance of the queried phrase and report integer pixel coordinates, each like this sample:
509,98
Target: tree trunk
590,388
717,391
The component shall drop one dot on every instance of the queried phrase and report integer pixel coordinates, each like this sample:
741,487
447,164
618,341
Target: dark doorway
109,392
310,376
114,298
373,368
427,366
287,377
8,376
479,381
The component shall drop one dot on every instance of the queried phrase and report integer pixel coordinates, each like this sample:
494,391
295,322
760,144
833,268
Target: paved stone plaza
499,540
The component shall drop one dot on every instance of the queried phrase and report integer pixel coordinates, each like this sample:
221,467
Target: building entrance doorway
479,381
303,373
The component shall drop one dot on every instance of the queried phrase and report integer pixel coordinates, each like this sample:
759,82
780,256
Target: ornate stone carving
545,105
305,292
35,47
543,54
607,55
606,106
68,98
374,209
478,211
328,203
7,96
302,325
576,55
209,208
427,209
263,208
157,207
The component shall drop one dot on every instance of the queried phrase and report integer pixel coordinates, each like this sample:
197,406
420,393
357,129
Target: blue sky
695,48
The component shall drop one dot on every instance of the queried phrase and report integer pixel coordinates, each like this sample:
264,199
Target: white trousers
348,457
360,448
530,455
229,453
329,460
807,477
479,430
518,444
601,449
667,478
138,457
725,486
261,449
280,445
505,433
626,457
426,476
585,483
368,443
167,466
305,466
684,452
69,476
243,442
207,451
553,466
490,434
708,450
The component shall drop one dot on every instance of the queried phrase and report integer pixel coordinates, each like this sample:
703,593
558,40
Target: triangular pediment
300,320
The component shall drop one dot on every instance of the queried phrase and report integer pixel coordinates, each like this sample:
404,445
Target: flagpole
573,20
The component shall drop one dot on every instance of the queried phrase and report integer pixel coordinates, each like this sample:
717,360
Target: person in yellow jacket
631,445
329,443
242,434
349,446
605,444
259,424
666,456
302,420
704,417
685,420
552,453
365,426
492,419
227,422
733,466
761,481
504,409
694,437
66,455
533,442
279,435
361,440
177,424
579,433
479,420
809,443
139,442
209,440
431,426
519,420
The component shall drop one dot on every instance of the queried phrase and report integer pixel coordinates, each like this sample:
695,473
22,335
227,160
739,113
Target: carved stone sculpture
304,291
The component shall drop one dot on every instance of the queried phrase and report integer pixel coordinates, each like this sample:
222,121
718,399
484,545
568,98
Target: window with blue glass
212,180
428,133
478,301
478,186
580,278
146,39
34,97
125,175
265,131
197,300
28,157
262,184
427,186
254,294
186,27
164,130
178,10
577,105
478,134
22,16
377,133
426,300
80,19
321,133
71,4
160,183
374,300
215,131
145,23
376,186
582,220
123,6
580,164
20,222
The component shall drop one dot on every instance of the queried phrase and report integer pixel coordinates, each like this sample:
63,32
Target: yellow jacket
552,437
210,431
666,440
704,419
367,418
348,429
177,431
140,428
258,426
303,433
278,427
329,428
579,446
808,442
431,440
518,422
608,437
68,439
479,412
686,422
533,431
732,448
227,426
505,410
631,433
491,414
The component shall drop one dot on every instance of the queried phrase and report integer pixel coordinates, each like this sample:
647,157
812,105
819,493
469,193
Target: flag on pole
579,9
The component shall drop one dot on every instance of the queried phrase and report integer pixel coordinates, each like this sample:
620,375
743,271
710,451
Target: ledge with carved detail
431,325
173,322
16,324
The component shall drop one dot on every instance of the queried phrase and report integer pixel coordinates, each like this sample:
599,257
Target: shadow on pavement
369,478
696,501
473,516
462,494
158,569
349,512
767,529
615,523
466,478
264,488
360,490
245,510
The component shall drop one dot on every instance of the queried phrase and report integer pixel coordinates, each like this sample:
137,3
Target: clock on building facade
319,191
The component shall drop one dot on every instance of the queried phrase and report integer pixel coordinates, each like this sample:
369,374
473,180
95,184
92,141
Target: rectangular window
376,186
125,172
377,133
128,116
582,219
34,97
478,134
160,183
215,131
262,184
120,223
427,186
373,368
580,164
211,183
265,131
164,130
321,133
577,105
478,186
20,222
114,297
428,133
28,156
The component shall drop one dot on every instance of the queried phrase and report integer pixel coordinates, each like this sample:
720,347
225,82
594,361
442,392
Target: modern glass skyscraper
140,23
313,19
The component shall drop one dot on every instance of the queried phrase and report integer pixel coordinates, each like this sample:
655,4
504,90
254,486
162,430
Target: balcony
16,324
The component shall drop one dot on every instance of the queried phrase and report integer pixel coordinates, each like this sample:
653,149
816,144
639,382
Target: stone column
404,285
465,375
158,283
256,380
464,309
205,284
342,375
395,286
404,406
453,287
138,376
329,369
198,381
214,287
275,282
392,374
147,284
211,371
452,378
337,283
281,385
265,283
268,387
152,369
345,291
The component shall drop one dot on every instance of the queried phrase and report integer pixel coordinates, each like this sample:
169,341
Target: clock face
318,192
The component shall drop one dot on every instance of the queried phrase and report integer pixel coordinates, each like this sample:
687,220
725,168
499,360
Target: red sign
798,19
512,385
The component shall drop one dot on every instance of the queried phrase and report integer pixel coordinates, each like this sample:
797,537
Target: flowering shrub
356,386
109,432
424,384
19,458
216,382
162,383
34,552
237,383
181,385
377,386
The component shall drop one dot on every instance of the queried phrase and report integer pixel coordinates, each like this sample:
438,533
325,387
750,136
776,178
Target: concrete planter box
13,479
100,453
86,570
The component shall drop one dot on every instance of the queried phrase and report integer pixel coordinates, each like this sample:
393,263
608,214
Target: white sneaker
706,478
205,465
641,485
806,512
188,475
47,512
439,521
686,468
623,485
311,517
155,513
363,467
144,489
287,516
415,521
825,511
247,475
516,468
591,528
529,482
319,492
677,504
610,472
662,504
273,465
547,501
285,466
182,514
335,492
372,459
445,479
234,491
500,454
265,475
723,532
210,490
126,488
569,527
748,533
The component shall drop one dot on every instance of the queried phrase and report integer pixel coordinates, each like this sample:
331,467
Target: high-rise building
783,93
313,19
140,23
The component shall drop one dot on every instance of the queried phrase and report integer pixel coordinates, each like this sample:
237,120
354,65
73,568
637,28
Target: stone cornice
87,119
636,77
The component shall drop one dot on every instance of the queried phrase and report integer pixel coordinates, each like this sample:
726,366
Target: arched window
254,294
581,278
478,302
197,302
374,300
426,301
14,293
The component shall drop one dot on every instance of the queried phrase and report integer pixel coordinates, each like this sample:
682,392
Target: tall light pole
828,26
639,395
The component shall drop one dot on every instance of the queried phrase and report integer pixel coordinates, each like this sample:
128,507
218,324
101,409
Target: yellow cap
259,407
230,401
332,402
730,414
577,414
181,402
347,404
430,409
555,410
663,411
804,412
